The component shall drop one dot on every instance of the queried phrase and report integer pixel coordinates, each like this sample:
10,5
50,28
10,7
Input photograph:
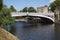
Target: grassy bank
5,35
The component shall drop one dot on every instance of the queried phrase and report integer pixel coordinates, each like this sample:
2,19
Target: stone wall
57,15
57,24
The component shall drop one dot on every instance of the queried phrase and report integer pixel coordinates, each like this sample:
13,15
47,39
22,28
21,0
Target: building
42,9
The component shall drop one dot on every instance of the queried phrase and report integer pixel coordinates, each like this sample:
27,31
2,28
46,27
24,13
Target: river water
29,31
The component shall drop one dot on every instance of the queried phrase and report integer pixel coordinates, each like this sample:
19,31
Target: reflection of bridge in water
47,17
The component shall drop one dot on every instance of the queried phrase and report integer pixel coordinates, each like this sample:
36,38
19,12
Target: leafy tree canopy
31,9
55,4
5,17
1,4
12,9
24,9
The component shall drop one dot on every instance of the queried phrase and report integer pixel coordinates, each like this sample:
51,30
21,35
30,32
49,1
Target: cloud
52,1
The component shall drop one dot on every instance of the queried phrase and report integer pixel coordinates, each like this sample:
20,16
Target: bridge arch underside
39,19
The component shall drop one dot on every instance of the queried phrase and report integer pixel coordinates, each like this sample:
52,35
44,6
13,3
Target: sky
20,4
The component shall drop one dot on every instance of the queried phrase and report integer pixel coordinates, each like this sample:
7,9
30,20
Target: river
29,31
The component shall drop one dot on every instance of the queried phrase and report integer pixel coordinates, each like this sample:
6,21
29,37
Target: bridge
49,16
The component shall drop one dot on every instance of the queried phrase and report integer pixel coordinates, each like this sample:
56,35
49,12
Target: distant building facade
43,9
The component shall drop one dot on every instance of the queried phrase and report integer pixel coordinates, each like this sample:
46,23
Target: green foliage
5,17
24,9
12,9
1,4
55,4
31,9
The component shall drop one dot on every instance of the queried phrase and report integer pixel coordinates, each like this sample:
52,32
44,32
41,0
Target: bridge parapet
47,15
23,13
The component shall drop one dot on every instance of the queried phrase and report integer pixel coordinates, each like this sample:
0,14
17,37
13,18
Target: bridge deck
46,15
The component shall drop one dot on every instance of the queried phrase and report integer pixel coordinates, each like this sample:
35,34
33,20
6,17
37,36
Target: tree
55,4
24,9
1,4
31,9
5,17
12,9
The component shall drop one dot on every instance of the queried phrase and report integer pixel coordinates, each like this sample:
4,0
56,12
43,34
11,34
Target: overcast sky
20,4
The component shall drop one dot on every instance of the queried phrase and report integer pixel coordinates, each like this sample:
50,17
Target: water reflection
57,31
28,31
13,29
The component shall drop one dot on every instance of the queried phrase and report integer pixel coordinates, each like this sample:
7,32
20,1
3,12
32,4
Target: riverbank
5,35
